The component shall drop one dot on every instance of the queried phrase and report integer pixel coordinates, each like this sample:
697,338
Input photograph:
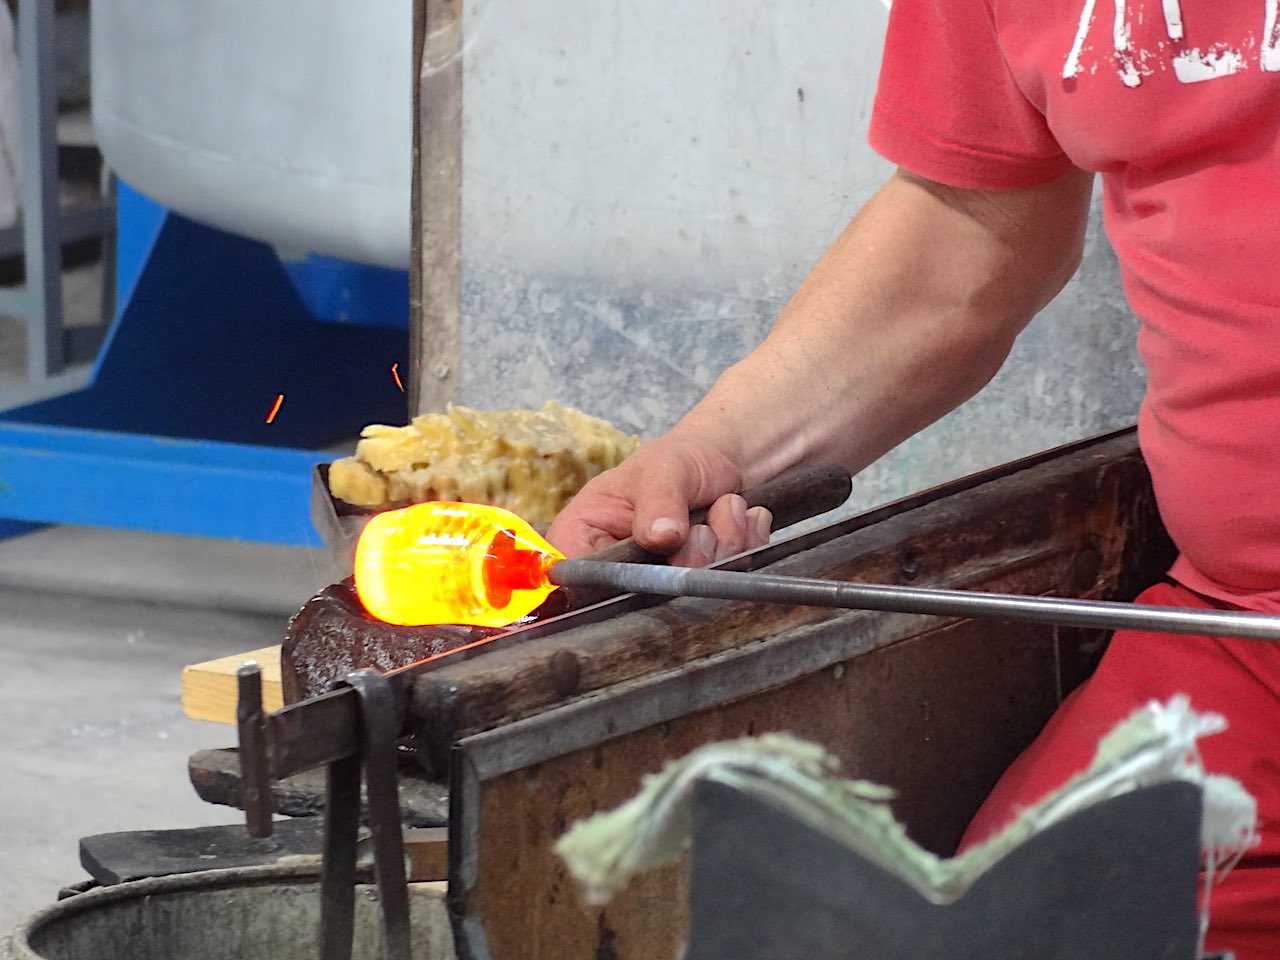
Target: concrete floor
95,627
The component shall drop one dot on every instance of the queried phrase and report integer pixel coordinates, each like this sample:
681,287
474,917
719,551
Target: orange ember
275,407
442,562
395,375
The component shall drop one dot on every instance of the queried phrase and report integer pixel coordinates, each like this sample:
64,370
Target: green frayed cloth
1155,744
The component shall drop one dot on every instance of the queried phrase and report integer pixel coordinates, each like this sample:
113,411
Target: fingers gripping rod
770,588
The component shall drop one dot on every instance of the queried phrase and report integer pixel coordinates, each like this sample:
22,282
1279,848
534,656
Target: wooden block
426,851
209,688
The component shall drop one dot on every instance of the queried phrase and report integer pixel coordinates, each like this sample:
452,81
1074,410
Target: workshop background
640,195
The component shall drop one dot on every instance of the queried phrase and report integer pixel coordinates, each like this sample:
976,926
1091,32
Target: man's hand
649,497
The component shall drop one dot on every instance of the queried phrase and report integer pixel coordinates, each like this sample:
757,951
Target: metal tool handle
770,588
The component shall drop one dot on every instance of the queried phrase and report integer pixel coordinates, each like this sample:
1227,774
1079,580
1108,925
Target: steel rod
770,588
42,250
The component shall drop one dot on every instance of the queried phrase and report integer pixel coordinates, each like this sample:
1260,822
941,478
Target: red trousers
1239,679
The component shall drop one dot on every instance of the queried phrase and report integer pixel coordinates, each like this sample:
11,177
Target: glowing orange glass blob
441,562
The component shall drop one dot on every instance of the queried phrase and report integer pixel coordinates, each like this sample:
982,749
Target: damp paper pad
1155,744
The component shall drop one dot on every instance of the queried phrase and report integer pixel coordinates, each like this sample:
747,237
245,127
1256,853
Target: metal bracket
380,719
380,726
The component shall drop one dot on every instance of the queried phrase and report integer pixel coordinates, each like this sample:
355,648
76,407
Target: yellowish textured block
530,462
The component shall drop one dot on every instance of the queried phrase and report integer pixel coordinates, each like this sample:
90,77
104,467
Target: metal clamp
379,722
255,782
380,726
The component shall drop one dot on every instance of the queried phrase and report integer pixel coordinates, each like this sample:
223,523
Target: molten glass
440,562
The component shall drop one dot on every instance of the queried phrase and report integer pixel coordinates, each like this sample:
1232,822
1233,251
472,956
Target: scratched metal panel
643,188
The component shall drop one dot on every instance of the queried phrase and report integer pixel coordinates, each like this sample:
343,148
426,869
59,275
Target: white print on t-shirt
1189,65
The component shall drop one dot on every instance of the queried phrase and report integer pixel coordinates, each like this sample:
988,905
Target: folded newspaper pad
790,860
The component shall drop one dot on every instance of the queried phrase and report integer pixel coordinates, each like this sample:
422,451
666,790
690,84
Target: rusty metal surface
934,708
1085,509
1097,490
332,636
215,774
937,717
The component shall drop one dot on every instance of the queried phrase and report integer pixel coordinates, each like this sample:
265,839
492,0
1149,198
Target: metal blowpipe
439,562
770,588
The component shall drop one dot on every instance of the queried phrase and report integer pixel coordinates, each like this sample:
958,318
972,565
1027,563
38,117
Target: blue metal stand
175,431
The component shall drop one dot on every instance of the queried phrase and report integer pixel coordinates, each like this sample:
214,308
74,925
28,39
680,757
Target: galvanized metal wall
642,189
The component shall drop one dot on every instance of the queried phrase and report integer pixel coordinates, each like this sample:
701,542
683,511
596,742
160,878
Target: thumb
662,503
666,531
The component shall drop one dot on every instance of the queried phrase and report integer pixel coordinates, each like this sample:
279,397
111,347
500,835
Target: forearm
908,314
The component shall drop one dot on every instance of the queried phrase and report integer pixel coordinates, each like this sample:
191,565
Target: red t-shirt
1177,105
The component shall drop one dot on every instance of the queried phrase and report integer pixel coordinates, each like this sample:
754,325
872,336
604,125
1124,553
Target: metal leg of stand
338,874
109,247
381,727
42,251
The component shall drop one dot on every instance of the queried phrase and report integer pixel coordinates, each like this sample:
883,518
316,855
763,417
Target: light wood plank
209,688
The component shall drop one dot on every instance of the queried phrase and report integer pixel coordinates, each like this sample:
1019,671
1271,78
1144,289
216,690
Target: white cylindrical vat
288,122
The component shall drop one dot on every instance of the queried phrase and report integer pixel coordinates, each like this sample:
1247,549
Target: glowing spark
395,375
275,407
